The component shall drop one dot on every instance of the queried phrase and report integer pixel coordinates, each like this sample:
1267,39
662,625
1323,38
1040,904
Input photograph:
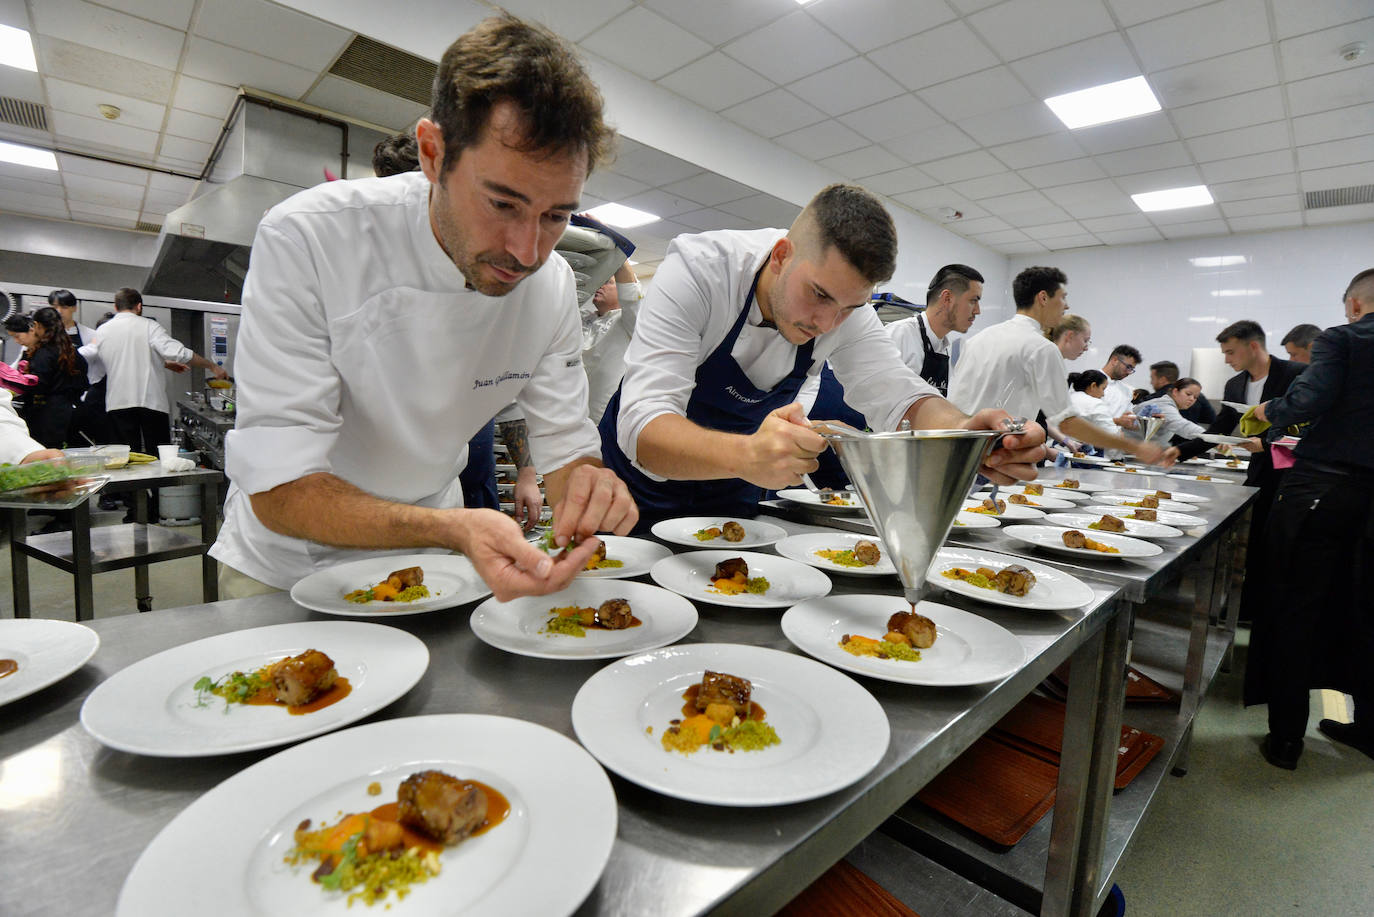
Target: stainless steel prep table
78,815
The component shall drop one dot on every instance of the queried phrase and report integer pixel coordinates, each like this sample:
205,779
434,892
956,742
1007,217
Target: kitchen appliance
202,430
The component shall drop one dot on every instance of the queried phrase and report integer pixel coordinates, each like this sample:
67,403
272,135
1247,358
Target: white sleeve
877,383
1175,424
907,336
15,441
554,401
510,412
167,347
630,294
1049,376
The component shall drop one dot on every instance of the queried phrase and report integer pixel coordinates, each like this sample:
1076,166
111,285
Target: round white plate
1054,590
1135,470
1084,487
150,707
47,652
1051,537
516,626
637,555
813,500
1177,520
1217,439
451,578
1236,405
968,650
521,866
1046,501
757,533
1012,511
832,731
1089,459
1136,528
689,574
1121,499
1176,495
1225,465
1062,494
1211,479
803,548
964,521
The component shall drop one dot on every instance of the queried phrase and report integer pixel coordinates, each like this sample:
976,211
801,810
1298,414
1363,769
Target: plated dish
1164,516
1089,460
1053,538
1174,495
1138,501
695,532
966,521
450,580
522,865
839,501
1136,528
625,557
693,575
1053,590
37,652
1049,499
153,707
835,552
977,506
523,626
831,729
1217,439
1061,484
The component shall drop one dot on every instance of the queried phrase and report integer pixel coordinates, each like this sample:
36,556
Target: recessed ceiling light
1173,198
804,2
1219,260
16,49
27,156
621,216
1207,318
1237,292
1108,102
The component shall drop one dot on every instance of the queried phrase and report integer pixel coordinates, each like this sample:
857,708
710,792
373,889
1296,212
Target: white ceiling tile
1263,221
931,143
1049,213
931,199
271,30
860,163
175,14
362,102
1197,34
170,184
764,209
1335,90
716,81
20,84
103,133
1088,199
972,6
1062,173
93,67
1334,125
1177,177
1104,59
709,218
1185,215
1192,230
1336,153
1146,130
219,63
1268,186
1029,247
963,166
982,225
178,165
610,186
1001,237
212,99
718,21
121,213
846,87
185,150
36,204
1062,243
193,126
101,219
909,178
774,113
95,168
1338,177
1242,167
102,191
163,201
821,140
868,24
1100,225
990,90
20,186
935,56
109,30
893,118
1261,138
1278,204
991,186
1244,110
1012,204
1054,230
1295,17
709,189
660,203
1216,78
1129,236
1317,53
1144,159
1351,214
84,101
1055,147
1011,124
789,48
653,167
28,173
645,43
1133,12
1020,28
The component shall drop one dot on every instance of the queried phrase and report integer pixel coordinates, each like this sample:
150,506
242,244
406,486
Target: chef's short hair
956,278
1361,286
1126,350
64,298
1165,369
126,298
1244,331
854,221
1302,335
502,59
1035,280
395,154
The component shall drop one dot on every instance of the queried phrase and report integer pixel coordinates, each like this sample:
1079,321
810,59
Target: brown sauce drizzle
498,807
8,667
337,692
756,711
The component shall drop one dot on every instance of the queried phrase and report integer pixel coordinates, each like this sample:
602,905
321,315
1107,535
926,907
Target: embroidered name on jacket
504,377
746,400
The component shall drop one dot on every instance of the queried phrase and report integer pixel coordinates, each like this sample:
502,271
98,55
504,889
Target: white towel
178,464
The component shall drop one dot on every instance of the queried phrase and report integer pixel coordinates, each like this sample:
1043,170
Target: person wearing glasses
1117,397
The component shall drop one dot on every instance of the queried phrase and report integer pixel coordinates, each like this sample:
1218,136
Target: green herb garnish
335,879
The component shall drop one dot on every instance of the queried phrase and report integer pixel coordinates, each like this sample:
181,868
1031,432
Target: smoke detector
111,112
1353,51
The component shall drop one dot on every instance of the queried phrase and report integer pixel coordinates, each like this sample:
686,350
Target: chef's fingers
623,512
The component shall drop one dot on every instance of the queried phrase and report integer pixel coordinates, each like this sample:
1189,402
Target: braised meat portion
1163,494
442,807
614,614
1150,501
1019,499
866,552
300,679
727,568
732,531
1073,538
917,628
1068,484
1035,490
1145,515
404,579
719,688
998,507
1015,580
1110,523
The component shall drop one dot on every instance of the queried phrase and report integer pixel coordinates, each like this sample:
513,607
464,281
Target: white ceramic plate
803,548
806,497
1084,487
1051,537
1174,494
1212,479
1090,460
1123,499
516,626
757,533
1177,520
521,866
1136,470
964,521
789,582
1046,501
1012,511
637,555
1136,528
968,650
833,732
47,651
1236,405
1217,439
1064,494
1054,590
150,707
451,578
1225,465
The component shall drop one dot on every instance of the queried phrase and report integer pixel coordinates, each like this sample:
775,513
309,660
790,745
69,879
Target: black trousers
141,429
1255,589
1317,630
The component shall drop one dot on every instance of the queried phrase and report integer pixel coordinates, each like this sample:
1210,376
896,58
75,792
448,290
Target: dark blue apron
830,405
723,399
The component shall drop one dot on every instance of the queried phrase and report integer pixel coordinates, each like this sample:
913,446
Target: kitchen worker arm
1013,460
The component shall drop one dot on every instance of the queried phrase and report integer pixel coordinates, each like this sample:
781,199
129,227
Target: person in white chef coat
1117,397
385,320
607,336
735,321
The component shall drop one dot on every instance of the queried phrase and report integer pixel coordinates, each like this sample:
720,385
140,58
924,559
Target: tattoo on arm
516,436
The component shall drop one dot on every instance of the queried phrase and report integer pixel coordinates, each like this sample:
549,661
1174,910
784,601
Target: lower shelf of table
922,885
116,547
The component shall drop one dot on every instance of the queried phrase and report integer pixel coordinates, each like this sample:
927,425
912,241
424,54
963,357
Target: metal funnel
913,483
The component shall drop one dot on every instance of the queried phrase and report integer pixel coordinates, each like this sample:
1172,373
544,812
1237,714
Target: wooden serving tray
1140,688
845,891
995,790
1036,726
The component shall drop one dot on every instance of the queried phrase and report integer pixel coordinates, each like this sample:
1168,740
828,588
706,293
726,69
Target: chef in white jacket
16,445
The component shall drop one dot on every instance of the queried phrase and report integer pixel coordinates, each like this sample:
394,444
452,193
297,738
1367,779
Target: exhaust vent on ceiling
1340,197
387,69
23,113
145,226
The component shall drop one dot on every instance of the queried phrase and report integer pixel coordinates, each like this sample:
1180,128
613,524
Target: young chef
734,322
386,320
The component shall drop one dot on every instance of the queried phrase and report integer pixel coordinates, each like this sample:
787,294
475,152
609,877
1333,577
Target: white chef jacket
1093,410
361,352
15,441
604,342
1012,359
95,369
133,350
1117,398
906,334
695,298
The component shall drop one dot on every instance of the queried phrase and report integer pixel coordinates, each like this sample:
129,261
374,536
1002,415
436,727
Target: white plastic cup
166,453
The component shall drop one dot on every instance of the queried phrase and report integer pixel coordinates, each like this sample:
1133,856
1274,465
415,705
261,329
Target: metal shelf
115,547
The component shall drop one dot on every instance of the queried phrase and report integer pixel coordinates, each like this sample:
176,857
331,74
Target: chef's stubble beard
454,241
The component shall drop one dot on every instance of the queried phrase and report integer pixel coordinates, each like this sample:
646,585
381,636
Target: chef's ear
429,144
782,250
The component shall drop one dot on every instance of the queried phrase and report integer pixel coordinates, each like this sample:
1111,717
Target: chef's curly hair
854,221
505,59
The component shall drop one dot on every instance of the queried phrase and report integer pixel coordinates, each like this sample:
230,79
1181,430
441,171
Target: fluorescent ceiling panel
1108,102
1219,260
16,49
27,156
621,216
1237,292
1173,198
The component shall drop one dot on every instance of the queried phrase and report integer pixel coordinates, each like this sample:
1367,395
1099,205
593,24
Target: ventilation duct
1340,197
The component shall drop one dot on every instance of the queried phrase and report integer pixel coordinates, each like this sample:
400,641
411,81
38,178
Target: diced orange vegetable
384,592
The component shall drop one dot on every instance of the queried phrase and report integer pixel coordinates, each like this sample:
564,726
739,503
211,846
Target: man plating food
734,323
386,320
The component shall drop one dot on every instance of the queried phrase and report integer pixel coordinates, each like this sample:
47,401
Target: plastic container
179,505
35,474
116,456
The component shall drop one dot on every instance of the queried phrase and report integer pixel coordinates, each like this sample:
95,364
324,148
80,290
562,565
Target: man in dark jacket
1319,630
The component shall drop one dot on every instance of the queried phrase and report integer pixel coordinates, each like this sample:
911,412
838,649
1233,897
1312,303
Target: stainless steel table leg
1197,650
81,559
1087,771
19,563
142,591
1221,608
209,568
